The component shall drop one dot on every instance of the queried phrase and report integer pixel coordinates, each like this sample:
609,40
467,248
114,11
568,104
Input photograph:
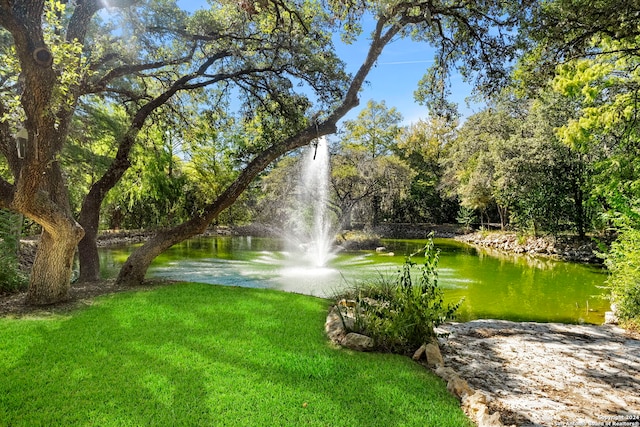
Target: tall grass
202,355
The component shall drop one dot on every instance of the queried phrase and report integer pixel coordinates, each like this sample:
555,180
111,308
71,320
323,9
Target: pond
493,285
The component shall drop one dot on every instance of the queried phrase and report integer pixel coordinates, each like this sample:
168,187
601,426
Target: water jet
312,225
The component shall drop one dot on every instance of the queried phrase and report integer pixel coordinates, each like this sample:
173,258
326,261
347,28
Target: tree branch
135,68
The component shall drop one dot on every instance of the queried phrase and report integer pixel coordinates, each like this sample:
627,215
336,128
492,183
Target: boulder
611,317
445,373
434,357
334,327
349,303
419,353
475,406
459,387
456,385
358,342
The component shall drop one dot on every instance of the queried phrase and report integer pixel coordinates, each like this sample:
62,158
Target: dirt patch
549,374
80,294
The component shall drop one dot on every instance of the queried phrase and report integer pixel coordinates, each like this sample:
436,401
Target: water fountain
312,216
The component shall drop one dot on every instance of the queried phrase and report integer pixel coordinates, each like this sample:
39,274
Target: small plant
466,217
402,316
522,238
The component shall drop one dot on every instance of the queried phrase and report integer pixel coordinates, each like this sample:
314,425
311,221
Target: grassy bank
204,355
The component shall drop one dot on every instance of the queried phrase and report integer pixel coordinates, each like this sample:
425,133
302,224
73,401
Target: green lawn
202,355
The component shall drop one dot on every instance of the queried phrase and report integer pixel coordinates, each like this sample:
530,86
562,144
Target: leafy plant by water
402,315
466,217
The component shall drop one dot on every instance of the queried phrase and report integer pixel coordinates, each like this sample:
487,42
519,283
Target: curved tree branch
134,269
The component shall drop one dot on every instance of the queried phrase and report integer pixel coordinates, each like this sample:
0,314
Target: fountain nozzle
317,140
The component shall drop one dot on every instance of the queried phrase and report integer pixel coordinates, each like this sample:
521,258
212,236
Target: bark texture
52,267
39,189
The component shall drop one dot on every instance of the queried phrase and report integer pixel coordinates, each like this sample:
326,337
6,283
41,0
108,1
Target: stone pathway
538,374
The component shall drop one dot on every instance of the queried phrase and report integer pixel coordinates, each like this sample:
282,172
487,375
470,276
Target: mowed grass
202,355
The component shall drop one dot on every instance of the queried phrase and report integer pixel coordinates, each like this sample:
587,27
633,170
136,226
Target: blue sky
395,77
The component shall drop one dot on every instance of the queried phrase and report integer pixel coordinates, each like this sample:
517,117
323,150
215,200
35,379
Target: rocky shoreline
569,249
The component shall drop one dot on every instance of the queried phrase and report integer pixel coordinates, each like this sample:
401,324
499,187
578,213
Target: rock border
561,248
473,402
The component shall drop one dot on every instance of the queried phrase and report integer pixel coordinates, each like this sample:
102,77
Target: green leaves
623,260
403,315
11,278
376,128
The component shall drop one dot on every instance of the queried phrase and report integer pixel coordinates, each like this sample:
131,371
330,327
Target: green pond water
518,288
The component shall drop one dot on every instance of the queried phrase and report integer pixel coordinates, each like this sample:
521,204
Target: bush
401,316
623,261
11,278
354,239
466,216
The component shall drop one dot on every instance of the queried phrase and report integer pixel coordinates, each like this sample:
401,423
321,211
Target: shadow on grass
206,355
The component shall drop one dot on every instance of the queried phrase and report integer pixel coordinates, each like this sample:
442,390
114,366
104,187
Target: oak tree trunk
53,265
88,256
52,268
135,268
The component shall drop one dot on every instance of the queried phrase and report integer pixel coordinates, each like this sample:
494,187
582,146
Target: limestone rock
347,303
456,385
349,322
445,373
358,342
334,327
475,406
431,353
610,318
419,353
434,357
527,368
459,387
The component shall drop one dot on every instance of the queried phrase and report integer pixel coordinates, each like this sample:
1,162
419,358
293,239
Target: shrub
623,261
466,217
11,279
401,316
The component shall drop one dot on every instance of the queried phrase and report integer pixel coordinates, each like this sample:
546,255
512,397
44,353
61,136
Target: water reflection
519,288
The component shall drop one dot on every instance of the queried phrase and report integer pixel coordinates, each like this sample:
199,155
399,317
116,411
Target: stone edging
567,249
473,403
